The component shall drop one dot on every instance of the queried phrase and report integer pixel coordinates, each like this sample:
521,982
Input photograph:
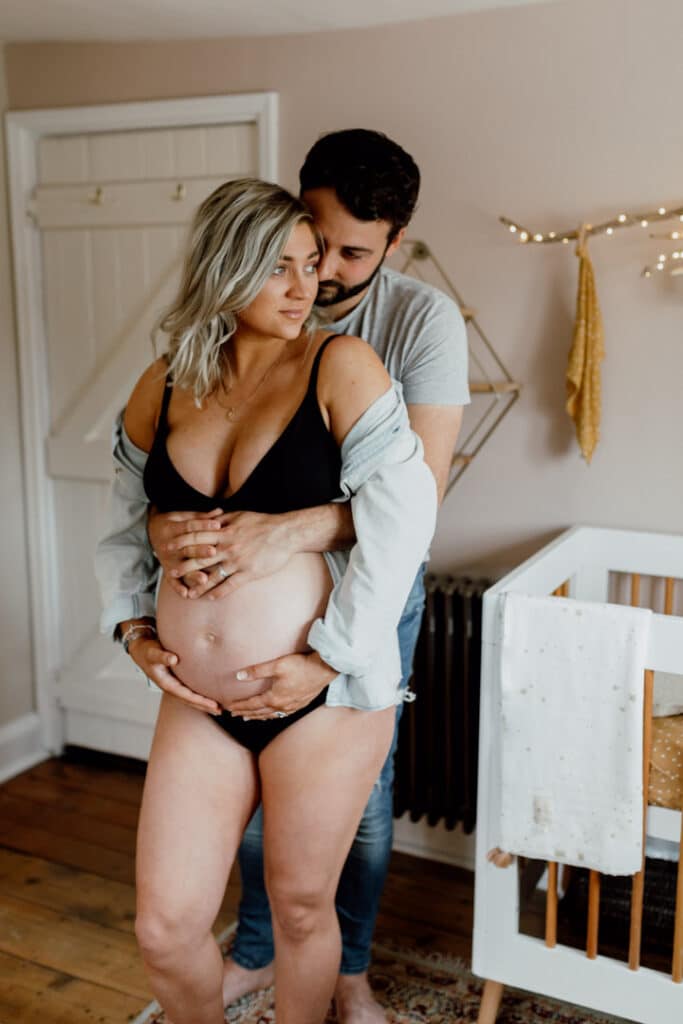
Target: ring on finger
223,572
280,714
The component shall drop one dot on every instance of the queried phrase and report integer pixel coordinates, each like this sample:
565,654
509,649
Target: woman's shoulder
351,378
346,354
143,406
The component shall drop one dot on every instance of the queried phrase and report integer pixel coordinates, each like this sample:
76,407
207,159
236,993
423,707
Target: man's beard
338,293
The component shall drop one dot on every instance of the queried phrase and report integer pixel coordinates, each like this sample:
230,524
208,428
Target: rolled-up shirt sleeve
394,506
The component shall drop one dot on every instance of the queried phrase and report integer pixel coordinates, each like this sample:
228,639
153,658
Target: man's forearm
322,528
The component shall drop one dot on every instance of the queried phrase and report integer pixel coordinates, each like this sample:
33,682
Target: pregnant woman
253,408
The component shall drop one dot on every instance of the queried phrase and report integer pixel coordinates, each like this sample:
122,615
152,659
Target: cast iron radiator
436,760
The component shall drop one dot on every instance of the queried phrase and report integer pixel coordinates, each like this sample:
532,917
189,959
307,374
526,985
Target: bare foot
354,1001
238,981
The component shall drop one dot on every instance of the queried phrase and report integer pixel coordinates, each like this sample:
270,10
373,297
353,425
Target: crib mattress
666,762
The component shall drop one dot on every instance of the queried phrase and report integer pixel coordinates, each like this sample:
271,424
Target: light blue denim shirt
394,504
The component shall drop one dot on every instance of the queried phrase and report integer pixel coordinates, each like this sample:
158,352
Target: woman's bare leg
201,788
316,778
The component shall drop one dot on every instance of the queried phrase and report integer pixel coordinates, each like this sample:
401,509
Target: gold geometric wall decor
493,389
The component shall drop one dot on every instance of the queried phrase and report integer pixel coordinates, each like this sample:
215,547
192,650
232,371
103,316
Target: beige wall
16,688
548,113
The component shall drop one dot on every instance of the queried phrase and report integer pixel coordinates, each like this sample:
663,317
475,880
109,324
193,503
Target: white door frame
24,130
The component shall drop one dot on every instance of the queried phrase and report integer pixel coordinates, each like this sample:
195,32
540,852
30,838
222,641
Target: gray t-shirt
418,333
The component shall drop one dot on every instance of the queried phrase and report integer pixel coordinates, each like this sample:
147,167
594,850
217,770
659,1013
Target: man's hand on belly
296,680
221,552
249,546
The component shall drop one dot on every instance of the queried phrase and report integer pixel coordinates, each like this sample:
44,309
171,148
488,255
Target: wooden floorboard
67,901
73,946
67,891
33,994
63,849
51,794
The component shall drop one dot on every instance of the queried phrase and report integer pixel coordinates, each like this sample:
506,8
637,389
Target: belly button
211,638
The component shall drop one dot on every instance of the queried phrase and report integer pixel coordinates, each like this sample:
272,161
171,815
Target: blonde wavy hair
236,239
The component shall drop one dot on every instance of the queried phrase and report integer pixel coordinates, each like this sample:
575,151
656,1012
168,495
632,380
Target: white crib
580,564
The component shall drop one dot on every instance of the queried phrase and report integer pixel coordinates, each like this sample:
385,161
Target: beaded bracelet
136,630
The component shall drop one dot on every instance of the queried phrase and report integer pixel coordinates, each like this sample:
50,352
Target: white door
110,211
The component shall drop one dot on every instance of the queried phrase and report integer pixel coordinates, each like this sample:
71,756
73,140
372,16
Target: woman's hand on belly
157,664
295,681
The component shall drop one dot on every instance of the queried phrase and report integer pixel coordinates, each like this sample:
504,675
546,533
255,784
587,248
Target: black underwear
257,734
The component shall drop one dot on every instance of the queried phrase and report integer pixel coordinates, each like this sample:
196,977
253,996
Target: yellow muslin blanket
585,356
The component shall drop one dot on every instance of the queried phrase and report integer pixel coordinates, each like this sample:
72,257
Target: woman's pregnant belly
259,621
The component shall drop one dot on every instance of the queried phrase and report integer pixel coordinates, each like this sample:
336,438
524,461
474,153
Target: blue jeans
365,870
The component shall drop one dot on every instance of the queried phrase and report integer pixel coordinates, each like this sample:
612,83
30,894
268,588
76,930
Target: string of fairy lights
673,262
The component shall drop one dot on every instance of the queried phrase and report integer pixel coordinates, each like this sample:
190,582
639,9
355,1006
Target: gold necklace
231,411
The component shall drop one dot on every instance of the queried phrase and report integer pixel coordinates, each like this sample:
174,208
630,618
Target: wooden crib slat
551,906
668,595
638,885
635,589
593,915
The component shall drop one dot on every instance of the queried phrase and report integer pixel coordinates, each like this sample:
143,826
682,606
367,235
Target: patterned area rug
417,988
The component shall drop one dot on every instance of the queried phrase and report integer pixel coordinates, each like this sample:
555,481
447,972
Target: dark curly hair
372,176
